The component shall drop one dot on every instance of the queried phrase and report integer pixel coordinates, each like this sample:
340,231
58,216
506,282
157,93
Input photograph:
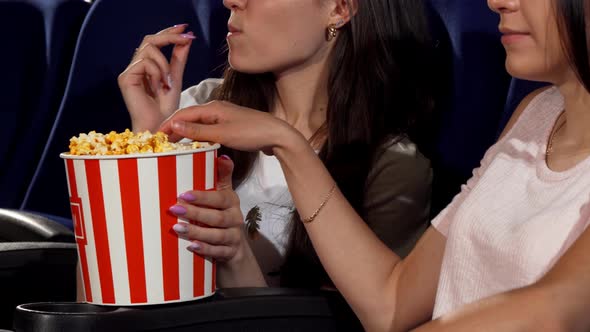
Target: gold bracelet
315,214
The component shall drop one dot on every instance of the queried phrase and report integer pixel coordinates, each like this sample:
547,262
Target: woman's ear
343,11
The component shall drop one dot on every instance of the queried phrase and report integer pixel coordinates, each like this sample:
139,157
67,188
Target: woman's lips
510,36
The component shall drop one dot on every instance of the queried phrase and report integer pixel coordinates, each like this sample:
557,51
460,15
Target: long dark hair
378,90
571,24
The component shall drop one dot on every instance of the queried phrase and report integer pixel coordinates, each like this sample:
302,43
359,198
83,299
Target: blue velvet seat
38,57
24,71
92,101
470,114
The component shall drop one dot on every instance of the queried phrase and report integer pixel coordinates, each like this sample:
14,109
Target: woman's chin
524,73
246,67
533,69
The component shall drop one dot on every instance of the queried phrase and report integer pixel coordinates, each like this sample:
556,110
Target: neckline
544,171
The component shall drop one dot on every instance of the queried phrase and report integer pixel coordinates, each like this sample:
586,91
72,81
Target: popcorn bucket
127,250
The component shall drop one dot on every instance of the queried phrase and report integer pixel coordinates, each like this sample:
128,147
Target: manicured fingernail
180,25
225,157
180,228
187,197
169,80
178,210
188,36
194,246
178,125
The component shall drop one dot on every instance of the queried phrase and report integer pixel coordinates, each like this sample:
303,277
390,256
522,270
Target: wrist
243,257
240,271
289,142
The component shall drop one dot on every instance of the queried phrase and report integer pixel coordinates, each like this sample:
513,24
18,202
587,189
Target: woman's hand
216,230
214,219
236,127
151,85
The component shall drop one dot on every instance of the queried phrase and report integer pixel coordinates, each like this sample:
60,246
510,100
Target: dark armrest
33,272
19,226
249,309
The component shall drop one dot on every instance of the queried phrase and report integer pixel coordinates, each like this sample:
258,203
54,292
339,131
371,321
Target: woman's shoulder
543,98
401,149
400,158
200,93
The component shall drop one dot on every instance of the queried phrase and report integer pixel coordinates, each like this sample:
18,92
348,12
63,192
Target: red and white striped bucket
128,252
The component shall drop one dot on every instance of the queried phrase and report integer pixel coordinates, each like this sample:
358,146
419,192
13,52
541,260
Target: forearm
242,271
523,310
360,265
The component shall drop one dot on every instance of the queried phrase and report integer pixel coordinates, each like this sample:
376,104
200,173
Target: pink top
515,217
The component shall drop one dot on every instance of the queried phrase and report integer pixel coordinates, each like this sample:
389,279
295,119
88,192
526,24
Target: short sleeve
442,222
397,200
199,94
521,126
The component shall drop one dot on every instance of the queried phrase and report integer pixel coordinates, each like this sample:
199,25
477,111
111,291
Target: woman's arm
524,310
242,271
385,293
557,302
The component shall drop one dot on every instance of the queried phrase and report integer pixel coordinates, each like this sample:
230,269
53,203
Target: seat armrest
20,226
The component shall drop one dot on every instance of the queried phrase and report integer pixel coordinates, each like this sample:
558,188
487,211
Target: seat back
92,100
24,71
36,80
63,19
468,119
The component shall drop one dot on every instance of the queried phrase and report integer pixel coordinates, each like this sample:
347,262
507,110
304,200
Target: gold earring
331,32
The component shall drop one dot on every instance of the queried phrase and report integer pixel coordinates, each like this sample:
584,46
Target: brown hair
378,89
572,27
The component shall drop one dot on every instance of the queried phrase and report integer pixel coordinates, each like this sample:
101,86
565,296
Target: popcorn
126,142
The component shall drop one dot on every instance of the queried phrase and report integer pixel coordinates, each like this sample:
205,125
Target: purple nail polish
180,228
225,157
187,197
188,36
178,210
194,246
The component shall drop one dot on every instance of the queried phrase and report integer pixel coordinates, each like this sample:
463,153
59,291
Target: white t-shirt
265,199
267,207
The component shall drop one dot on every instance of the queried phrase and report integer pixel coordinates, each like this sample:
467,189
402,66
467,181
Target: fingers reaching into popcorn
126,142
